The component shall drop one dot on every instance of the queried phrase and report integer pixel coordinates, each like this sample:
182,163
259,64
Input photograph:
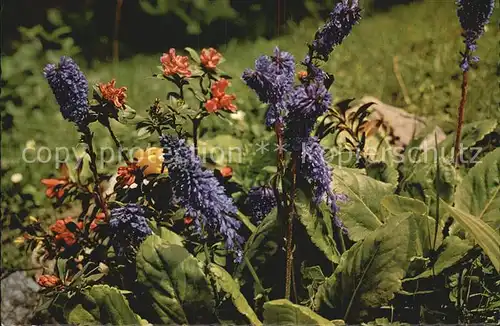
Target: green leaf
167,235
382,172
230,288
472,133
452,250
421,180
262,250
193,54
143,133
479,192
483,234
396,205
361,213
283,312
370,272
102,304
318,225
176,288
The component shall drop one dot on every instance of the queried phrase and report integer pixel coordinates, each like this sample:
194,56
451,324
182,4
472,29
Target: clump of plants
282,237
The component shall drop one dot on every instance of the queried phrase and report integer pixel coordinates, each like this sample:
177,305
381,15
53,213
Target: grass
424,38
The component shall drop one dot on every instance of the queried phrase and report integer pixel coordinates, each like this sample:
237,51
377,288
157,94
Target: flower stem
289,236
460,121
117,143
196,125
87,136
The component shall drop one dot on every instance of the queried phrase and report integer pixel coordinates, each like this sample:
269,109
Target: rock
19,299
403,126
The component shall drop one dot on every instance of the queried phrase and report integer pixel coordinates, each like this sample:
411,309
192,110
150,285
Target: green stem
87,135
117,143
260,288
460,120
289,236
196,124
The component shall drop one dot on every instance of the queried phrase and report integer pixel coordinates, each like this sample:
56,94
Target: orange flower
210,58
48,281
175,64
98,217
63,234
55,187
126,174
302,74
220,100
114,95
151,160
226,171
188,220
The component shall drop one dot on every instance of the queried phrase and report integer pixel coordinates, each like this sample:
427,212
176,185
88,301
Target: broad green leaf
479,192
265,241
451,251
361,213
318,225
370,272
230,288
176,288
382,172
421,180
102,304
483,234
472,133
396,205
170,236
283,312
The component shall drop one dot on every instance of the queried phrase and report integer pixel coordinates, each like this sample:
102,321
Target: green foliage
370,273
479,192
362,213
283,312
230,290
101,304
318,224
176,287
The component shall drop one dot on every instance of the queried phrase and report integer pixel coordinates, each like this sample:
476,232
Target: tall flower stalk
473,16
293,111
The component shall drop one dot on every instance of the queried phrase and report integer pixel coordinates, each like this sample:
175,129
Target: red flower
48,281
55,187
63,234
188,220
175,64
220,100
126,174
98,217
114,95
226,171
210,58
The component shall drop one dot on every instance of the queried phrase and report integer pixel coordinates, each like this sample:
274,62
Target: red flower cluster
48,281
95,222
210,58
220,100
63,234
56,187
114,95
126,174
173,64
